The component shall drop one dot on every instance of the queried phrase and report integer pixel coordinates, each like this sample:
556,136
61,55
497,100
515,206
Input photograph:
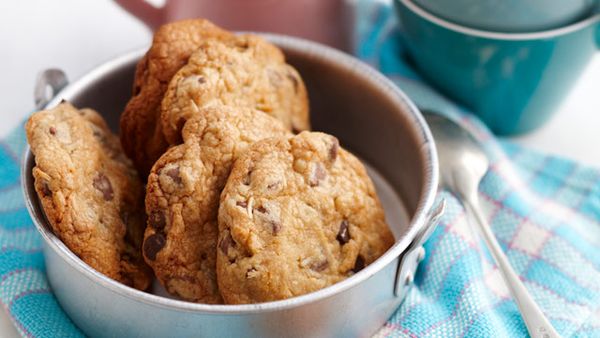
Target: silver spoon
463,163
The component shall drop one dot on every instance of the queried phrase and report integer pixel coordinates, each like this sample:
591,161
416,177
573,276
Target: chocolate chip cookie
182,197
296,215
141,133
89,191
243,72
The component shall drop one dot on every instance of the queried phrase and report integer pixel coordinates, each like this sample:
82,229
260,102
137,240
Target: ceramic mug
510,15
325,21
513,82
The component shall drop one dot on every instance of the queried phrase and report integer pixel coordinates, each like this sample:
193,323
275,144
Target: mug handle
150,15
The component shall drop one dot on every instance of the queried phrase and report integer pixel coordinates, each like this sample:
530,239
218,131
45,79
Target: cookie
141,133
296,215
183,196
90,193
244,72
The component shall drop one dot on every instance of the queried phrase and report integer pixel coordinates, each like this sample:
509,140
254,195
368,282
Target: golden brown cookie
89,191
243,72
183,197
173,43
296,215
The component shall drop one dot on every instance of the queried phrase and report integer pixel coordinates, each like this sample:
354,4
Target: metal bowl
350,100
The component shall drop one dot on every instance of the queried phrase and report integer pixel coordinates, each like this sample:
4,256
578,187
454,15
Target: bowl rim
419,220
493,35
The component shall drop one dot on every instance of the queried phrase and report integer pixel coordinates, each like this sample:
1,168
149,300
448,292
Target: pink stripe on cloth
18,271
28,292
402,329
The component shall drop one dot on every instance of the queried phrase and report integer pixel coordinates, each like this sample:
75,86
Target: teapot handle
150,15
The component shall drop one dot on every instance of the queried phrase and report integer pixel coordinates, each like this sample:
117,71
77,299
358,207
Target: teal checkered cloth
544,210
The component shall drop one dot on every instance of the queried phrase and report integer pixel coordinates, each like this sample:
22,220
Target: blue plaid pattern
544,210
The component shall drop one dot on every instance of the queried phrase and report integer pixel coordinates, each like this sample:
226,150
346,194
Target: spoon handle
537,324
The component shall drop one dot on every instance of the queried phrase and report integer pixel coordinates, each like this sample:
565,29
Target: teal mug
513,82
510,15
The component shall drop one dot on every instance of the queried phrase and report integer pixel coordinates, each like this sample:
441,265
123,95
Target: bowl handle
49,83
415,252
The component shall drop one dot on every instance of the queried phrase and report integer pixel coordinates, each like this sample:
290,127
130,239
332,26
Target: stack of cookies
242,203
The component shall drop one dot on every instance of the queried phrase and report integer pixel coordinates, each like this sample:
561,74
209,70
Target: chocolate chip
102,184
247,178
52,131
320,266
173,173
153,244
46,189
296,130
201,80
359,264
203,256
226,243
273,185
317,175
262,210
275,227
343,235
294,81
333,150
242,204
157,220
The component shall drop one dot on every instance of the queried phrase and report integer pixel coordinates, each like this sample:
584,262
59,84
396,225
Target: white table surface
76,35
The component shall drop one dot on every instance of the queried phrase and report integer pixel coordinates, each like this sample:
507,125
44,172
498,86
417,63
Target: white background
77,35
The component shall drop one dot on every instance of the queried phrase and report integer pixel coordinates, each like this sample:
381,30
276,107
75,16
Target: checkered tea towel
545,212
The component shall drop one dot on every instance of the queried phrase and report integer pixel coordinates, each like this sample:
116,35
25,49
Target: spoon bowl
463,163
